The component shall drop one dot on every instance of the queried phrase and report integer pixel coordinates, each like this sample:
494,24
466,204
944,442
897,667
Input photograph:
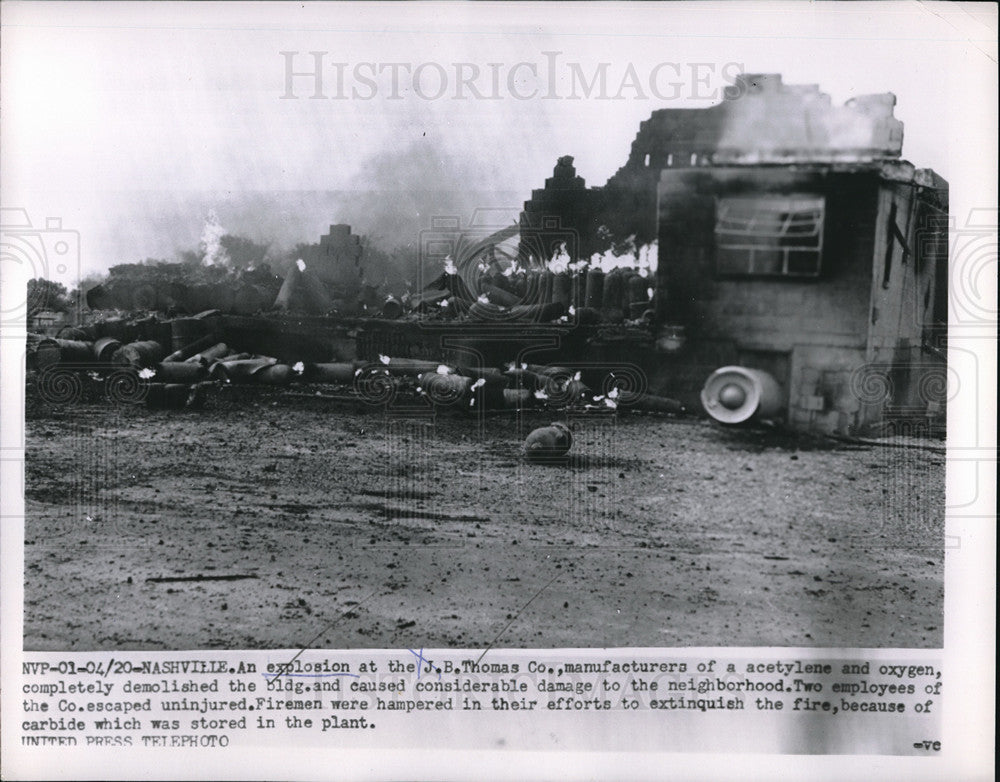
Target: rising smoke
396,193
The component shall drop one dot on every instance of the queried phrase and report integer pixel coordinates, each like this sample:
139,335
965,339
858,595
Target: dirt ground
279,521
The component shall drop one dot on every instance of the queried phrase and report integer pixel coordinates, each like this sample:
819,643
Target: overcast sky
130,122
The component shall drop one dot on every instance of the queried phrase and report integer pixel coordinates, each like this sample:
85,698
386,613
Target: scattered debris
548,442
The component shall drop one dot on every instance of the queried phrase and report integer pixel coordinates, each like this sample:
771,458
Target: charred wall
565,211
761,120
772,321
670,138
909,294
843,337
830,306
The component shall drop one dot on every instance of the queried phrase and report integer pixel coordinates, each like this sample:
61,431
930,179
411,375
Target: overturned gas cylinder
548,442
737,395
179,372
343,373
244,370
209,355
274,375
518,398
146,353
445,389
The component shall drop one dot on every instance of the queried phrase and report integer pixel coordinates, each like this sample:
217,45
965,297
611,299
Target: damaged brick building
794,240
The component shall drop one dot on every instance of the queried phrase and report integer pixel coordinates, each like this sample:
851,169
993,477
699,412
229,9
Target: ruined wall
908,296
809,332
761,120
830,308
337,260
846,344
670,138
766,120
564,211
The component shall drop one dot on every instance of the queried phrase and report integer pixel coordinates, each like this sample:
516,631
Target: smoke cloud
391,199
397,193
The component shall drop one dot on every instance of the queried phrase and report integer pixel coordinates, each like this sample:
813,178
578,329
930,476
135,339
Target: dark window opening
770,235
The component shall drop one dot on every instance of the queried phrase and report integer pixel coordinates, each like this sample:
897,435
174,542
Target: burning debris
502,277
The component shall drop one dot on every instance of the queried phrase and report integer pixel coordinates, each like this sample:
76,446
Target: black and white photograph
497,326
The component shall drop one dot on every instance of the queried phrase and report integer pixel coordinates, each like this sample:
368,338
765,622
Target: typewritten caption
885,702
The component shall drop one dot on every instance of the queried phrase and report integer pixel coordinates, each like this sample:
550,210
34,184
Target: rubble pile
586,296
184,289
170,335
483,284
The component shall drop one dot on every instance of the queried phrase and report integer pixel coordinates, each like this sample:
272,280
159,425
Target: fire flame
560,259
649,256
628,256
211,241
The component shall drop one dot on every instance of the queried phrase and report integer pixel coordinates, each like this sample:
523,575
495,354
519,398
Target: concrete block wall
823,324
830,309
824,392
